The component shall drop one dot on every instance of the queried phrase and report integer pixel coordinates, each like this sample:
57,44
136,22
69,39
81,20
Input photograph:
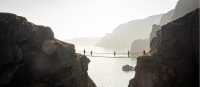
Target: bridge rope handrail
115,54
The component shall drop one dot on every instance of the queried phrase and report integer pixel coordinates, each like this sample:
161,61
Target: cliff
30,56
166,18
125,34
155,29
185,6
138,46
175,61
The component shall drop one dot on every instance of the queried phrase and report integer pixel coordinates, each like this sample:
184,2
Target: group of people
90,52
114,53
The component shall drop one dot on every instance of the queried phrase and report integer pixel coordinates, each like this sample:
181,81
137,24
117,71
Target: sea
105,69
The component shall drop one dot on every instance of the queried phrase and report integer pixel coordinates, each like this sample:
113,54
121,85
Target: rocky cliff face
30,56
155,29
175,63
185,6
166,18
139,45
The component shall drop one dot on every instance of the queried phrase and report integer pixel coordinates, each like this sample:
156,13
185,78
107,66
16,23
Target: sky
84,18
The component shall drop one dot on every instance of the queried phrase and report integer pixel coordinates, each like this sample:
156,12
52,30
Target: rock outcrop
175,63
30,56
166,18
185,6
155,29
139,45
128,68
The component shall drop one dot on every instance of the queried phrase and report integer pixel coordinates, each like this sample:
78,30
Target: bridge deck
111,56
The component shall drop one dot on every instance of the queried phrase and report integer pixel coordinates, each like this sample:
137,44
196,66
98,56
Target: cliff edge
30,56
175,60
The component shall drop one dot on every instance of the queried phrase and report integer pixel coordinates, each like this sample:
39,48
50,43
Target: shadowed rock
30,56
128,68
175,64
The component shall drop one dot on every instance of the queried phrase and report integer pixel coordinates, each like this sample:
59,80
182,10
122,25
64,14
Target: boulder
128,68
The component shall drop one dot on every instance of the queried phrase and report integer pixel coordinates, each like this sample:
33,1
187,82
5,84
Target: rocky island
30,56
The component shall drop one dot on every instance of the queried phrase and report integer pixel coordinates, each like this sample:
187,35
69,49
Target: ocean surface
105,70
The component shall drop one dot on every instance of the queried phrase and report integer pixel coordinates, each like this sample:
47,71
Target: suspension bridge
113,54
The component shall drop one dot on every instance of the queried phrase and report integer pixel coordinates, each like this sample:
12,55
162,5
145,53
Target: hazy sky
84,18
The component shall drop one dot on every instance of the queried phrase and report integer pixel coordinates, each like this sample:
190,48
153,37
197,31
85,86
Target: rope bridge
113,54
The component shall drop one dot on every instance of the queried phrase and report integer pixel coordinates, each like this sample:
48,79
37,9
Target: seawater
107,72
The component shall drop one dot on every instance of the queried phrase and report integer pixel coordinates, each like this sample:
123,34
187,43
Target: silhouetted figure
84,51
128,53
114,53
91,52
144,52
